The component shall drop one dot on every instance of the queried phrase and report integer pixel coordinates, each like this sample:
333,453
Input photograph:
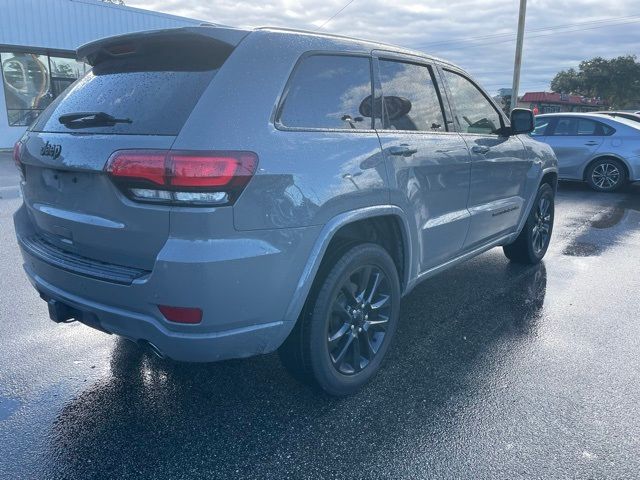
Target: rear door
574,140
499,165
150,86
428,164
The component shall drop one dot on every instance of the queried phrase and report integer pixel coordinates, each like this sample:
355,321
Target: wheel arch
351,225
548,175
605,156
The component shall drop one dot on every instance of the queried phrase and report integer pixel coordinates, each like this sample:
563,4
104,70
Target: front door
428,165
499,165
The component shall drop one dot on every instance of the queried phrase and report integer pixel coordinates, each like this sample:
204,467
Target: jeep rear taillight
17,153
182,177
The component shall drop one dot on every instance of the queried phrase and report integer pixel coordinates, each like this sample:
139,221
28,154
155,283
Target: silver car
602,150
214,193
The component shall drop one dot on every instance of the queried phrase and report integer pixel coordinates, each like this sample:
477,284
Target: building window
31,82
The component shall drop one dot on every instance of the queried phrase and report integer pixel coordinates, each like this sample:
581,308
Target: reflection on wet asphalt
606,228
497,371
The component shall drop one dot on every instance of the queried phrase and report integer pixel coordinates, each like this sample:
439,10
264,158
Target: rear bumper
182,346
634,169
243,284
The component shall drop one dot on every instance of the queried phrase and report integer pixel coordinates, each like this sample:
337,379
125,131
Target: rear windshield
156,90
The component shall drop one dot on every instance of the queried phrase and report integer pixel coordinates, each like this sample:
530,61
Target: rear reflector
182,177
181,314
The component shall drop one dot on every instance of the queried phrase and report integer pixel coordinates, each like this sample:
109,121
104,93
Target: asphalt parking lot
497,371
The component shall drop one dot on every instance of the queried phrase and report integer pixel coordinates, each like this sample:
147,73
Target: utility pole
518,60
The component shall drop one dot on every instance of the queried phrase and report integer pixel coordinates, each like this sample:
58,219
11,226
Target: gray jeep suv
213,193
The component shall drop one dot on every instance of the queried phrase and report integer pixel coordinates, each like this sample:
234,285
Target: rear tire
606,175
533,241
348,322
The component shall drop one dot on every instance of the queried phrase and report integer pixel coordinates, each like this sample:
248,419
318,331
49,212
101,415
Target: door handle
591,144
402,151
481,149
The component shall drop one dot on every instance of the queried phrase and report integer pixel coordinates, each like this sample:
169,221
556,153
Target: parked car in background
245,201
627,115
601,150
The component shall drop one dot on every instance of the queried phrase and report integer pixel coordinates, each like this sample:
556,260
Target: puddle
7,407
605,229
577,249
609,218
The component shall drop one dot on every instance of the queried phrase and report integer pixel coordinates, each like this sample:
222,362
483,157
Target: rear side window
566,126
473,111
154,91
593,128
328,91
411,101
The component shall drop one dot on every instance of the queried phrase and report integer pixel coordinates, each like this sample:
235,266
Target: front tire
606,175
345,330
533,241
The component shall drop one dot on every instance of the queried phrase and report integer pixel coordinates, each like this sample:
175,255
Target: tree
617,81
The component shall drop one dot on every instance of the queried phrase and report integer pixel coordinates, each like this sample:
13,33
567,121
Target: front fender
530,201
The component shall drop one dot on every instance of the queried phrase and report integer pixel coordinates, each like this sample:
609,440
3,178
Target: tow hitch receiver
60,312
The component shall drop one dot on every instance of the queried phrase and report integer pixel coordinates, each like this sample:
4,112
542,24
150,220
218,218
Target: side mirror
522,121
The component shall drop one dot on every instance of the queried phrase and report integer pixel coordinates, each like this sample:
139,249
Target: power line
475,45
594,24
336,14
539,29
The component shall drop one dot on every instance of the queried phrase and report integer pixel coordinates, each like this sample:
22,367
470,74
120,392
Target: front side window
411,100
329,91
565,127
473,112
541,127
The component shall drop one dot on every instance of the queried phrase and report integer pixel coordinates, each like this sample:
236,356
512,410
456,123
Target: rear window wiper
90,119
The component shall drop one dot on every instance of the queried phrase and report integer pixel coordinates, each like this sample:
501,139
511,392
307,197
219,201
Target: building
550,102
503,99
37,43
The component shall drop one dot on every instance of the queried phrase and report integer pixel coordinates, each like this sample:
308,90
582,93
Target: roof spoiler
120,45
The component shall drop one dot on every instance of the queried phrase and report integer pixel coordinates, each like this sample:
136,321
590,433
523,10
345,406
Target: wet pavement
497,371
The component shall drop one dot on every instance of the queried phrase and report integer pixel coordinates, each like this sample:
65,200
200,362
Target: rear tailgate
151,83
76,207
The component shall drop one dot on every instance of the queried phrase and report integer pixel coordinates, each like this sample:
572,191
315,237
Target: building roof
65,24
560,98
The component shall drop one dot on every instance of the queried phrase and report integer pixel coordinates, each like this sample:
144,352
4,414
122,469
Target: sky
478,35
